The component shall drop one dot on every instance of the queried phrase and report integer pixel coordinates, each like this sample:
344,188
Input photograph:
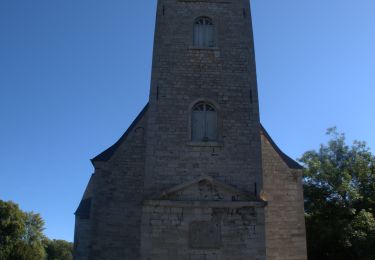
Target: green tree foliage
22,238
21,233
59,250
12,228
339,192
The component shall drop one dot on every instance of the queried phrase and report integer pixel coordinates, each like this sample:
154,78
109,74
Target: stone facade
156,194
285,223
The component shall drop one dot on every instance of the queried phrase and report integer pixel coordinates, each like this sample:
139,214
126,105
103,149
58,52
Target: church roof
289,161
107,154
84,209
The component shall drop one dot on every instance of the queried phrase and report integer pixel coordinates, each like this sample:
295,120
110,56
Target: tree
339,188
21,233
12,227
59,250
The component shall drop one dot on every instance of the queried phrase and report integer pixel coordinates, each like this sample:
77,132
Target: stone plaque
205,235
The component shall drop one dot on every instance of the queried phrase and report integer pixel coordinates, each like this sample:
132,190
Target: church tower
195,176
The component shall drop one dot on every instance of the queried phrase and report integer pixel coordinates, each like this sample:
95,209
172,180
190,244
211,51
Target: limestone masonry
196,176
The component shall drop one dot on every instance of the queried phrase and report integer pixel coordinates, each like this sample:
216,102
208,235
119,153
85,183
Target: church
195,176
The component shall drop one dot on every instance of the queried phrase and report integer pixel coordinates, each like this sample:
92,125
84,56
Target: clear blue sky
74,74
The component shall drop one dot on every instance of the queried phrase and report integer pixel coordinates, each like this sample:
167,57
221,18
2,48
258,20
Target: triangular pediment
204,188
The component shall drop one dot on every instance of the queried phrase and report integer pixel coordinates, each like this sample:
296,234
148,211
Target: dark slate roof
84,208
289,161
107,154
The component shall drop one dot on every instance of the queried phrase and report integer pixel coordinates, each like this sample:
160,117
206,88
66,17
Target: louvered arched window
204,32
204,123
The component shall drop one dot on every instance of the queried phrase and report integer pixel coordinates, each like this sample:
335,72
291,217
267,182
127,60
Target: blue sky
74,74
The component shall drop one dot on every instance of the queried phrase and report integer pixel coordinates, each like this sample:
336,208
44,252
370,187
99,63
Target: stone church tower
196,176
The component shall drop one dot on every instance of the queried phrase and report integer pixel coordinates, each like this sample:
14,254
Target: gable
204,188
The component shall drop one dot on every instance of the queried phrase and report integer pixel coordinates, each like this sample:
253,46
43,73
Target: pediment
204,188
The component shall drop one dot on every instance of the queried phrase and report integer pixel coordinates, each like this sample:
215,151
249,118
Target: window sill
206,144
197,48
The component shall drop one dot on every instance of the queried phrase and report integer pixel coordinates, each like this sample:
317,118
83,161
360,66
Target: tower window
203,123
204,32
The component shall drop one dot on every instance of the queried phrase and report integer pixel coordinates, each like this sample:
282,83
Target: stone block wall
283,191
201,233
223,76
125,226
81,238
82,229
117,201
157,153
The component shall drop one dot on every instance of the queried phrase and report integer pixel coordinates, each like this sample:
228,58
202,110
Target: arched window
204,32
203,123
